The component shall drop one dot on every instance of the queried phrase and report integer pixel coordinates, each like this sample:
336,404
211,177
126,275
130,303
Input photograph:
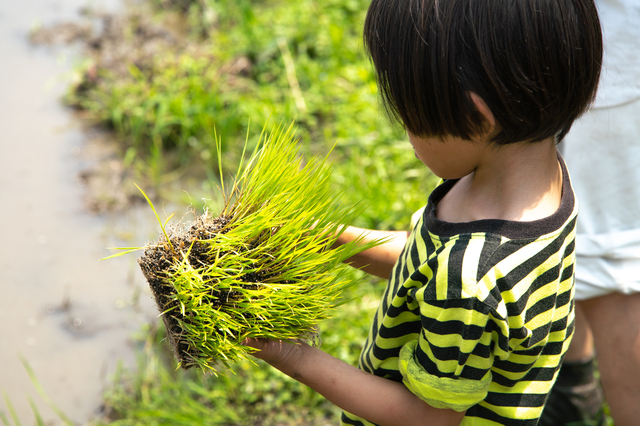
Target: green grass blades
264,267
36,383
12,411
154,393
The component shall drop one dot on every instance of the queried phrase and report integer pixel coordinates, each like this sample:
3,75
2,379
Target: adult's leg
615,323
576,397
581,347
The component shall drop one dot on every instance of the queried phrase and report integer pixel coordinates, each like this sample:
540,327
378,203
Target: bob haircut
535,63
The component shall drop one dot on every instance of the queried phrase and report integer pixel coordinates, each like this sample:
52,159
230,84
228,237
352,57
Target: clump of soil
158,264
102,175
61,33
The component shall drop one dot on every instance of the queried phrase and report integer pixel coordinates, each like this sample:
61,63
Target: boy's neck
518,182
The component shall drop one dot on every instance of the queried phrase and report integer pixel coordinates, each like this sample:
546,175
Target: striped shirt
477,315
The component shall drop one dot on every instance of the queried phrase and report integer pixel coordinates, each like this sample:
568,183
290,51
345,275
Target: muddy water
70,315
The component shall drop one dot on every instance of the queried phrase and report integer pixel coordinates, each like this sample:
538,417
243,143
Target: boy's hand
277,352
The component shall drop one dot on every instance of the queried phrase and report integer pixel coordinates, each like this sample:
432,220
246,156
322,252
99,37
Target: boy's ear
489,125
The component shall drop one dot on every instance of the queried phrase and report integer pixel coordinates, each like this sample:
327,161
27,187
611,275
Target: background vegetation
170,75
226,67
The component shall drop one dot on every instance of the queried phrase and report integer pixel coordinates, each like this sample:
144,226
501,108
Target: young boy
478,311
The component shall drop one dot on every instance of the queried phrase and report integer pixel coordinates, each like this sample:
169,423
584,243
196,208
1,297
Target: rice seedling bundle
262,268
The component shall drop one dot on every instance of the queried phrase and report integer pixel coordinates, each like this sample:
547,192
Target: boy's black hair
535,63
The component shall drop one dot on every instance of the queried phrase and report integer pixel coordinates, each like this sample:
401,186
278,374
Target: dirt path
70,315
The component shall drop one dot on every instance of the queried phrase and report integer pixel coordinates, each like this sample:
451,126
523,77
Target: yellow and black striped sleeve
449,363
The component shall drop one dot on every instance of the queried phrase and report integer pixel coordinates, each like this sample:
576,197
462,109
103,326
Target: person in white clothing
602,151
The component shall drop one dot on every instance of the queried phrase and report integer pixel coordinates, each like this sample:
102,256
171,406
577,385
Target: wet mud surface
70,315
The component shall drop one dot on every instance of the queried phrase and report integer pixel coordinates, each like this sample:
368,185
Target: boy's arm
380,259
374,398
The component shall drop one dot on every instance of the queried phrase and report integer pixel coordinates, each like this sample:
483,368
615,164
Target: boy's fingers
254,343
271,350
